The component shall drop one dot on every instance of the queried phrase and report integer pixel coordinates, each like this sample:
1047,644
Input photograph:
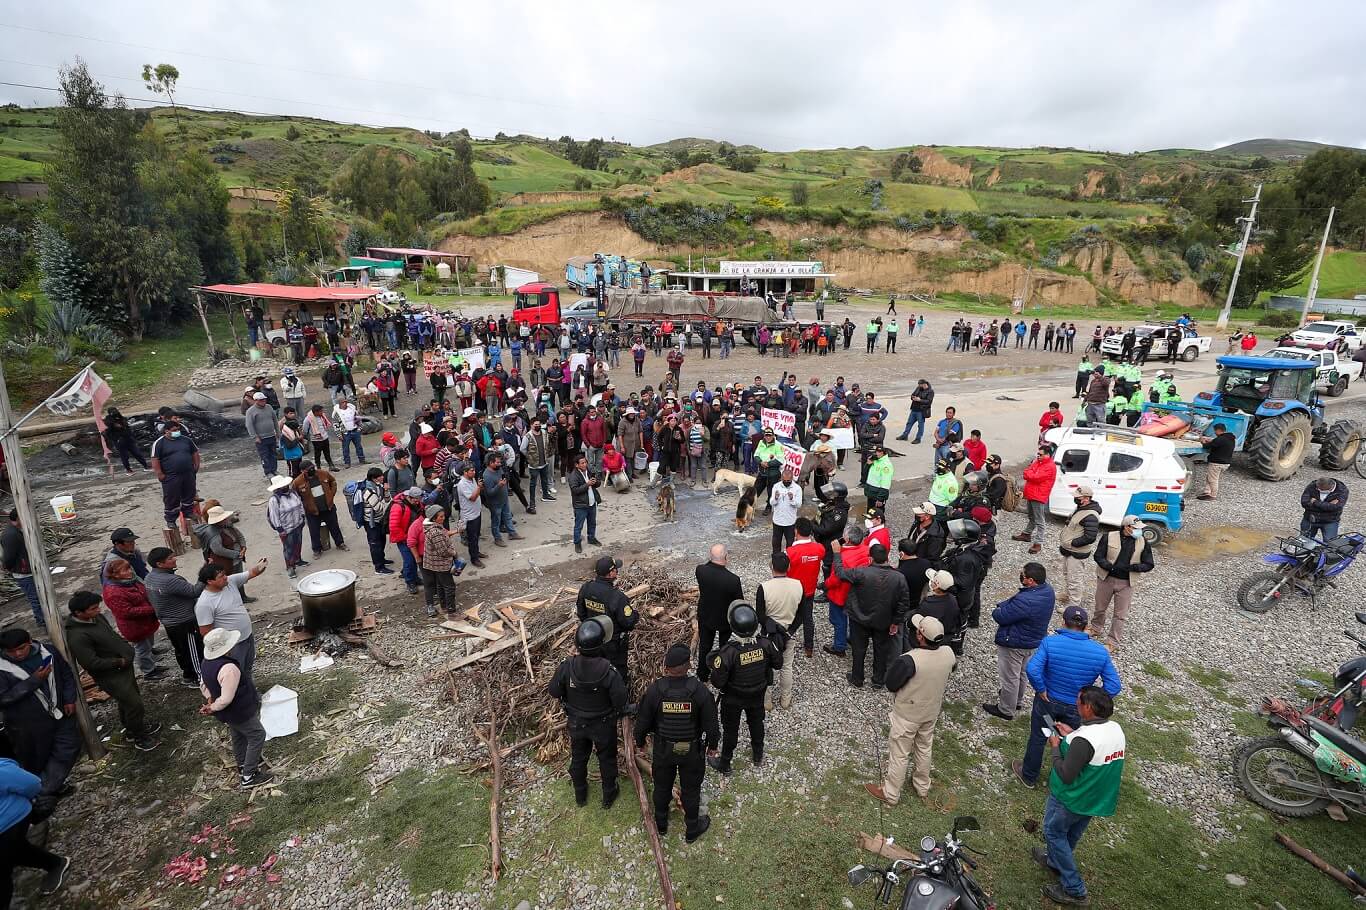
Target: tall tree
161,79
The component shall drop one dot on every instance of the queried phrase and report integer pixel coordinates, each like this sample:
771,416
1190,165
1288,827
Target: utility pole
1242,251
37,557
1318,263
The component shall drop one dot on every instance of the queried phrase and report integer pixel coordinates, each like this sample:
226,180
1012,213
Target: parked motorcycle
938,880
1342,706
1309,766
1304,566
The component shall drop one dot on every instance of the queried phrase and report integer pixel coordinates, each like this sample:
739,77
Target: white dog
741,482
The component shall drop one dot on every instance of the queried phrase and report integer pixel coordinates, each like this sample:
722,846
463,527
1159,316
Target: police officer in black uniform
594,694
834,515
742,670
679,710
600,597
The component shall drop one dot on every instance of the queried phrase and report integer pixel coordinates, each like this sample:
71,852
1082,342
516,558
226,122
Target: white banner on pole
473,357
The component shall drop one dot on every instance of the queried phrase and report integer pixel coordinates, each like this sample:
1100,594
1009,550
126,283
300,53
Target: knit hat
434,510
677,656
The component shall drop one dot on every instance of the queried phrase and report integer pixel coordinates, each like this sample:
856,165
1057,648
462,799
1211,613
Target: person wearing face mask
997,484
318,489
877,529
1120,554
175,460
1038,484
1077,542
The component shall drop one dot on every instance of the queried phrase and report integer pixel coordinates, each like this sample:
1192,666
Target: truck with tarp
636,308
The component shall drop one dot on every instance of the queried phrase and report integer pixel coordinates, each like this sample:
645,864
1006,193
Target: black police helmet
835,488
964,529
592,634
744,621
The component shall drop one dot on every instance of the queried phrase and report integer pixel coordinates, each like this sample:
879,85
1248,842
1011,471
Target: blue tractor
1272,408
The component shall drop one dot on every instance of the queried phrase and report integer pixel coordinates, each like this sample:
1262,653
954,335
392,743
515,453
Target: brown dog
744,510
665,500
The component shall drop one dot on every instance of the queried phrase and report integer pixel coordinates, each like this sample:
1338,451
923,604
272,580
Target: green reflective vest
880,473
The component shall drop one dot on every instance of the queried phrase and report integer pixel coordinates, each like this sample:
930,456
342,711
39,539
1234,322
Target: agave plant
62,325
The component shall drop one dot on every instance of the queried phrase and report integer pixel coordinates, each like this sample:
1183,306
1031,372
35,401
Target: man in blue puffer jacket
1066,661
1023,622
18,788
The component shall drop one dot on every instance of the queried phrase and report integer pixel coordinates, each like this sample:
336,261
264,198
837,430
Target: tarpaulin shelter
281,302
415,259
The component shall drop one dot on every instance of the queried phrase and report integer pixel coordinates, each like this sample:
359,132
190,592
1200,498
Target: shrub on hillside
1281,319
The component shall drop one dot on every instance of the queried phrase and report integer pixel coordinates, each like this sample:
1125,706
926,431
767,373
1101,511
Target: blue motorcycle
1304,566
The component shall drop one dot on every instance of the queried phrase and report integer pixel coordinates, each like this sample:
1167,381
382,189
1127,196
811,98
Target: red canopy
291,292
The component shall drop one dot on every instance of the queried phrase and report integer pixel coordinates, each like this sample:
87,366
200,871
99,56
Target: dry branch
666,885
1313,859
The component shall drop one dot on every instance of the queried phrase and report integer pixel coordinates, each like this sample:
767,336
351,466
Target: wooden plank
467,629
508,614
504,644
496,626
473,614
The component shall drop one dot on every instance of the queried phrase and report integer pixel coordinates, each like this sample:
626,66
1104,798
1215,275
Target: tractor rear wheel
1278,446
1340,446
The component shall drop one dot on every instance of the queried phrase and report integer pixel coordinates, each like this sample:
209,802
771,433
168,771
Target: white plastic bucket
64,507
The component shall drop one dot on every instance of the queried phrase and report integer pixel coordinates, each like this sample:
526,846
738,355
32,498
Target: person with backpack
373,512
403,511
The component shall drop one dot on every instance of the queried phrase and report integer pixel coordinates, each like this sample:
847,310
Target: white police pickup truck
1330,371
1341,336
1189,345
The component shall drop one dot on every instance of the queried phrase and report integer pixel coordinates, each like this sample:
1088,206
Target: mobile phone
47,662
1048,732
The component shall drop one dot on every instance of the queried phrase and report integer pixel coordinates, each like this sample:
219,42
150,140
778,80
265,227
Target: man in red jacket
855,555
804,558
975,449
1051,418
593,432
1038,484
403,511
491,390
134,615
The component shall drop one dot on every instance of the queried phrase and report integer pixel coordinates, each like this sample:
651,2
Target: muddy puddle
1223,540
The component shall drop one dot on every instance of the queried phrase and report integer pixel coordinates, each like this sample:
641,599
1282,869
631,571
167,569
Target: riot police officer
972,495
679,710
594,694
600,597
969,560
834,515
742,670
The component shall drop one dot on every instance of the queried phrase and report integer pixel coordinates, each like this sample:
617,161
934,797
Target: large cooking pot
328,598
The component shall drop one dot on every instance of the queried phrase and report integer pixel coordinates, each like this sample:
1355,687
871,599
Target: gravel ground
1184,617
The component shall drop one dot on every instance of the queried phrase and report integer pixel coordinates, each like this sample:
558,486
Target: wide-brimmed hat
219,642
278,482
218,514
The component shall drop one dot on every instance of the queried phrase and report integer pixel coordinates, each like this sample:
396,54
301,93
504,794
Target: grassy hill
1343,276
266,151
1274,148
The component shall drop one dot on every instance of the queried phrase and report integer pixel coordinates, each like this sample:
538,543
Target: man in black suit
717,588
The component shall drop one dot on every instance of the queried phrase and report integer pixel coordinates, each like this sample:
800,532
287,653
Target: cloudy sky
1115,75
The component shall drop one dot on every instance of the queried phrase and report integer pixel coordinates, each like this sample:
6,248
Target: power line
351,76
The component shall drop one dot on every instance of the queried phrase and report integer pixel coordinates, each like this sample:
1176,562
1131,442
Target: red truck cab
537,303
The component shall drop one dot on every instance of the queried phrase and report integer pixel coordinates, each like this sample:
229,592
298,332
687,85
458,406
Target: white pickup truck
1341,336
1188,344
1330,372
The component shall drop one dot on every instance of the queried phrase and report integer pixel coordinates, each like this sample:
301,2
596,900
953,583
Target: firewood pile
517,667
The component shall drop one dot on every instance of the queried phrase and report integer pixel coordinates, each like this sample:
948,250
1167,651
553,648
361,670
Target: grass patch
1213,680
393,711
1157,670
434,827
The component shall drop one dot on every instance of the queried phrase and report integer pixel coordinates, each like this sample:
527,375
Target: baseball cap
1074,615
122,534
939,578
470,412
259,396
1132,521
605,565
1083,490
928,626
677,656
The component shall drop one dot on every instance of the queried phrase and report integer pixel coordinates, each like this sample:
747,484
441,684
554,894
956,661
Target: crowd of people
502,426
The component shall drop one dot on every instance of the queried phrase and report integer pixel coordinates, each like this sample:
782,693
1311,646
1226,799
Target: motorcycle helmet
964,530
592,634
835,489
974,478
742,618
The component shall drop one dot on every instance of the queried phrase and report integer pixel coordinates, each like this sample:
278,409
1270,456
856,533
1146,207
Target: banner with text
783,423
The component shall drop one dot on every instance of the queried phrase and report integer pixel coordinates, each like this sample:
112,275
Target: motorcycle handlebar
1354,637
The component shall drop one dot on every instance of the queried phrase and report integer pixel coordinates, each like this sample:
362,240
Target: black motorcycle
937,880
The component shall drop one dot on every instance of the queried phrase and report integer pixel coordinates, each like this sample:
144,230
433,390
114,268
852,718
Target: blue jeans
501,515
582,514
1325,531
1062,828
747,457
349,439
393,339
543,475
840,620
1034,749
915,419
30,589
266,449
941,453
409,564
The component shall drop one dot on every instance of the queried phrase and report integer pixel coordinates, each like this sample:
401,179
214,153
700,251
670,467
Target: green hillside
1343,276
